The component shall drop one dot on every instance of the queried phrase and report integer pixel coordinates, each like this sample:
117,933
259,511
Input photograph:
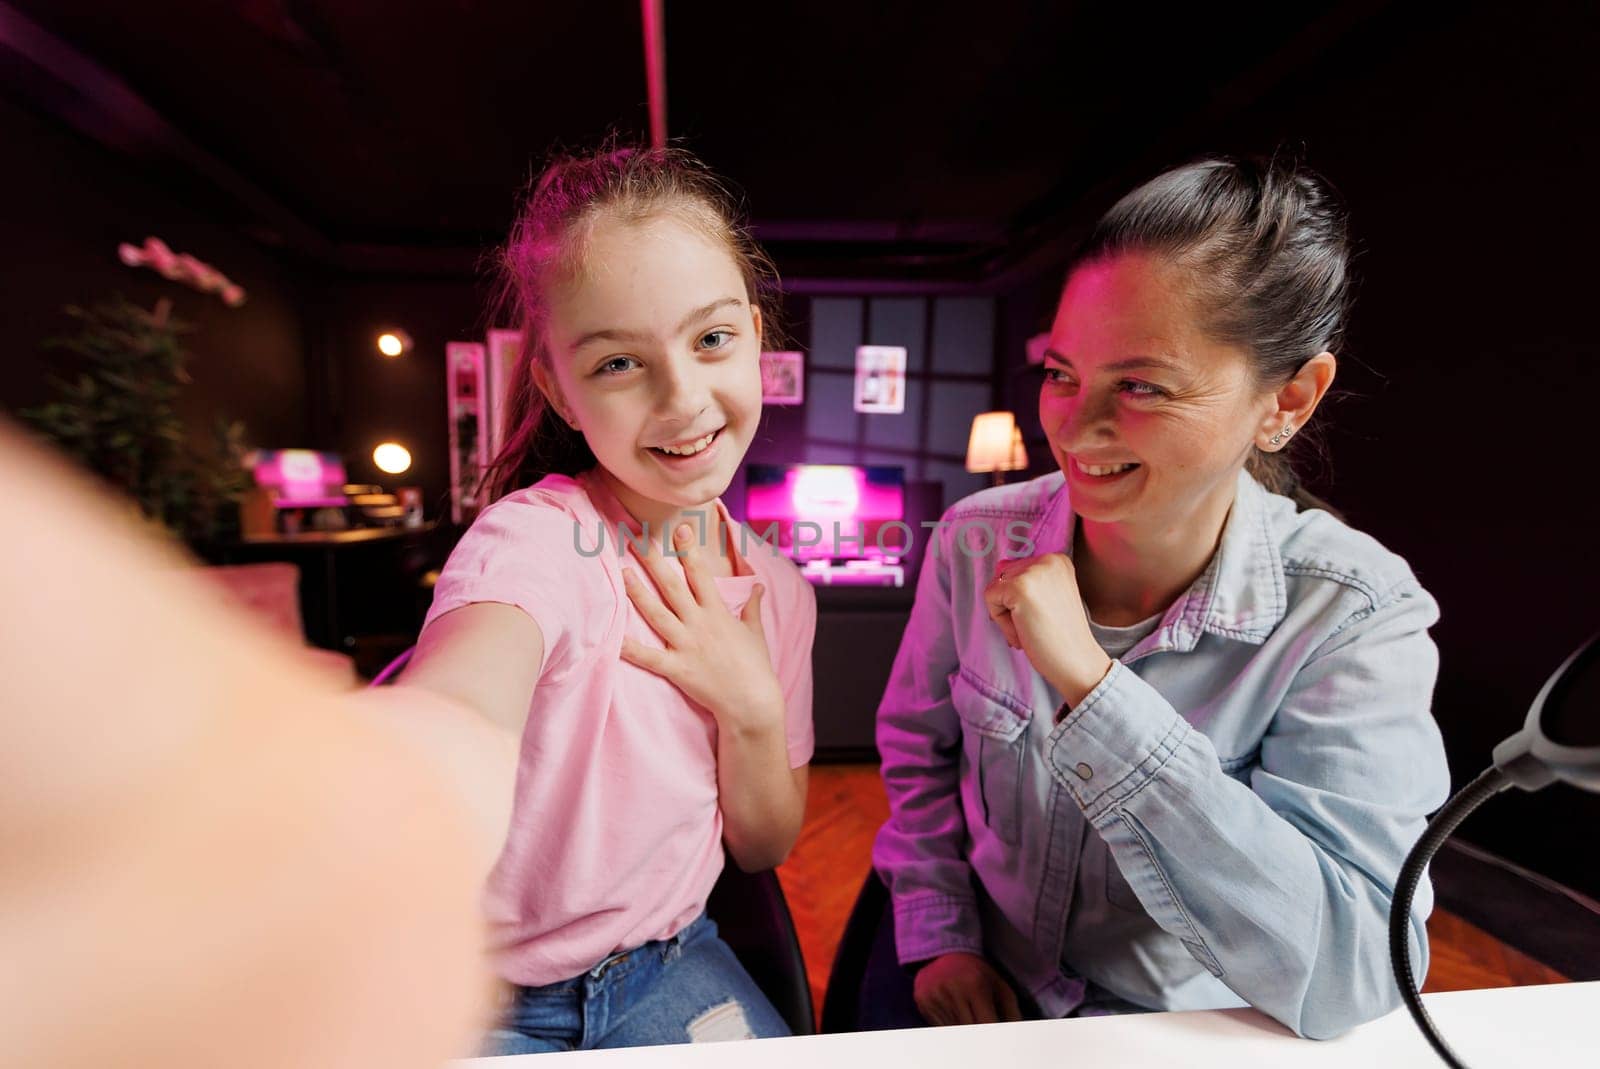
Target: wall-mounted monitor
829,511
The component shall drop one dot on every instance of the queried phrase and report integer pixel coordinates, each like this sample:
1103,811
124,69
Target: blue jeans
687,989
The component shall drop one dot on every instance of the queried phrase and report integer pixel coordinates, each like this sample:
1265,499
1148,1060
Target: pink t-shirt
616,836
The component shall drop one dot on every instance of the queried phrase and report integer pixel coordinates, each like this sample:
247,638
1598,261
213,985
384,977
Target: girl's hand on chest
716,658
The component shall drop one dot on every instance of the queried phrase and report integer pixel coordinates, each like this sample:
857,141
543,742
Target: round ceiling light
394,342
392,458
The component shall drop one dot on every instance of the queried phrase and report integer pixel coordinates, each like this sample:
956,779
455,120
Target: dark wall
65,205
1463,446
1460,436
1026,310
362,398
949,340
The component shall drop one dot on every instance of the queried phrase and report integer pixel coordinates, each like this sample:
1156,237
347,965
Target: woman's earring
1276,439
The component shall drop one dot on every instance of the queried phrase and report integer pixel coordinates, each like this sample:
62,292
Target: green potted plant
116,414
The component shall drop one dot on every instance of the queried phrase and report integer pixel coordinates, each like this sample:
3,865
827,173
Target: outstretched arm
203,838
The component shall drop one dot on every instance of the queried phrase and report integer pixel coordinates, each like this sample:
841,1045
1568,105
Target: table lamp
1560,740
995,445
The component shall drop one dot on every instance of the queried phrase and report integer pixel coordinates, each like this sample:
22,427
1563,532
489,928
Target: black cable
1486,786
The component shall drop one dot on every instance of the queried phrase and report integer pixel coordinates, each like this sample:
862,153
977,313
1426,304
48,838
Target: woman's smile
1101,472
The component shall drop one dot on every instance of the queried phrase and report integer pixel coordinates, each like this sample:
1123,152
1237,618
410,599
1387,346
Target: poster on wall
503,347
880,378
469,444
783,378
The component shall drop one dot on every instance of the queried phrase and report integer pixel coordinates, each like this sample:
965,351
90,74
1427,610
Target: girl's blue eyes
711,339
610,366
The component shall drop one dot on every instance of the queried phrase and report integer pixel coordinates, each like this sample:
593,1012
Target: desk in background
360,580
1551,1026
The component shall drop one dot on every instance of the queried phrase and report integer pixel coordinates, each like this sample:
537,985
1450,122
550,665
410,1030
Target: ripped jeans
687,989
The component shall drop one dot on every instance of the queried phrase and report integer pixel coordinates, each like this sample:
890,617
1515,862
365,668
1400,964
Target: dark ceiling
895,139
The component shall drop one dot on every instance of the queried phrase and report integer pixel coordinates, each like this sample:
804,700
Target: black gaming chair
841,1003
753,919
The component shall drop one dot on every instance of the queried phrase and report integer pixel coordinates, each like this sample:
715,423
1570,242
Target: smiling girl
663,696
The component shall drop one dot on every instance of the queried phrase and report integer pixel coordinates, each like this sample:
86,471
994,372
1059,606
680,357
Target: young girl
661,688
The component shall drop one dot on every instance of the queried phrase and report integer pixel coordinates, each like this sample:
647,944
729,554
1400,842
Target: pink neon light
655,68
302,478
827,495
826,492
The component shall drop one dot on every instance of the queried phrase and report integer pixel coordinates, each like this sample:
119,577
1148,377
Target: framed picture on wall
783,378
469,444
880,378
503,347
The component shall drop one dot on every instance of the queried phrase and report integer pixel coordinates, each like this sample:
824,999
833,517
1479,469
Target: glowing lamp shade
394,342
995,443
392,457
1019,453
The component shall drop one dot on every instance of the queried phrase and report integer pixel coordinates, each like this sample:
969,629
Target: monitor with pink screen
828,511
301,478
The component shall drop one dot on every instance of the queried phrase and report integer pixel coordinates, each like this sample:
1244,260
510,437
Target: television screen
301,478
828,511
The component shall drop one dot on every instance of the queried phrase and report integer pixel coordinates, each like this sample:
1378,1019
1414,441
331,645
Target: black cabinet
858,634
354,583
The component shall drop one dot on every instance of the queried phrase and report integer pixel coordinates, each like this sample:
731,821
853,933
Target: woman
1174,757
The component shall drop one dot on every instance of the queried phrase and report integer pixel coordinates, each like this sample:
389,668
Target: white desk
1553,1026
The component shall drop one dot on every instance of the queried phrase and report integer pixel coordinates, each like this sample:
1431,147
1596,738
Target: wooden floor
846,805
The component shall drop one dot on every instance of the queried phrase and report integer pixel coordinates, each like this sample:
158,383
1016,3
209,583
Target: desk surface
346,537
1551,1025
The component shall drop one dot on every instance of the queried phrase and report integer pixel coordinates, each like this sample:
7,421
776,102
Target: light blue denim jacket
1220,822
